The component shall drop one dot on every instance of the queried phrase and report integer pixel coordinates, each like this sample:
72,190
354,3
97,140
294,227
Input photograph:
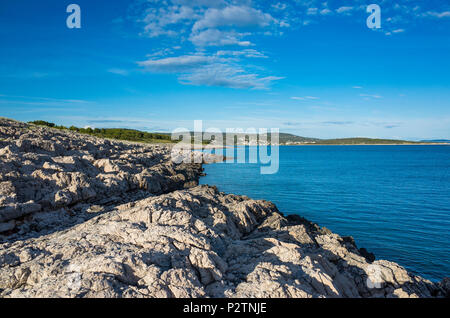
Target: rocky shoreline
87,217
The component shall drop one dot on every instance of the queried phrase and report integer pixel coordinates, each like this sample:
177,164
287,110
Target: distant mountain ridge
445,141
240,138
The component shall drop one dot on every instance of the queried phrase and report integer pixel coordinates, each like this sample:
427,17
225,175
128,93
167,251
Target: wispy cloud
344,9
371,96
227,76
177,64
338,123
292,124
305,98
31,75
219,69
439,15
43,100
214,37
391,126
119,71
250,53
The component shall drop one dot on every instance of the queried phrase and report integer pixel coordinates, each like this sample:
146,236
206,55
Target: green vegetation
113,133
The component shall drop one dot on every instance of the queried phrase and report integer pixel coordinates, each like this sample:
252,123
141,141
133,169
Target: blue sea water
394,200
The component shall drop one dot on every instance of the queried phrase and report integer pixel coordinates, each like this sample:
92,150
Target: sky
308,67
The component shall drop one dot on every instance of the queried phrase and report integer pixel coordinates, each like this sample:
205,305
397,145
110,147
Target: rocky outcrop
175,240
47,169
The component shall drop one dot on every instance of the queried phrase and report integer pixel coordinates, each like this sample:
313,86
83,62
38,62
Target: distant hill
445,141
283,138
241,139
363,141
289,138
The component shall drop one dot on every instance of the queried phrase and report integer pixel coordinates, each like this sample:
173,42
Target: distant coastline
405,144
242,139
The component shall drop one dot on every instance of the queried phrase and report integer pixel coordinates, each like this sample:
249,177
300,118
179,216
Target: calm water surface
394,200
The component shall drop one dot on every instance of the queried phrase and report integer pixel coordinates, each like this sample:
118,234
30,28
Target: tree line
112,133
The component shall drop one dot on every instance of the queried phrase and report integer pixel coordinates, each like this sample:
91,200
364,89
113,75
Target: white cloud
235,16
440,15
214,37
325,11
227,76
118,71
344,9
250,53
176,64
312,11
41,101
305,98
279,6
161,21
213,70
369,96
200,3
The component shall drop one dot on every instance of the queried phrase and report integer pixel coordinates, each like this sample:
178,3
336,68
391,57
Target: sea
393,200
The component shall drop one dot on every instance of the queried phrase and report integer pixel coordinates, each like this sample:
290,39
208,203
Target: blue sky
311,68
